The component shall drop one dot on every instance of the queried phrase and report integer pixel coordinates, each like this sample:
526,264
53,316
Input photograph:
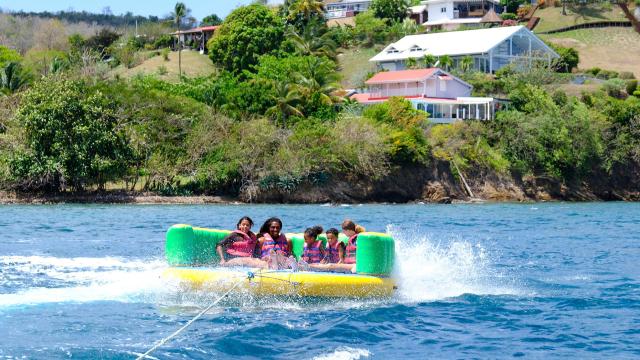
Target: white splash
86,279
427,270
345,353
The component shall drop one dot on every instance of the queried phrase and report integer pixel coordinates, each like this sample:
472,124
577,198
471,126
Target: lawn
551,18
607,48
193,64
355,65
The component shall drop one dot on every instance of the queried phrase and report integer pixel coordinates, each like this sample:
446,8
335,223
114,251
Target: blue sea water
475,281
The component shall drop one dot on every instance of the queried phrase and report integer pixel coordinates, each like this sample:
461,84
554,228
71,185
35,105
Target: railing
397,92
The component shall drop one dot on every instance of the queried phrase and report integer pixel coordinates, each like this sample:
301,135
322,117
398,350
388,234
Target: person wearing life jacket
314,250
275,248
240,244
334,251
349,228
348,264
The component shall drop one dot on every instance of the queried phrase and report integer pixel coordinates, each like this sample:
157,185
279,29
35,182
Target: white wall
435,11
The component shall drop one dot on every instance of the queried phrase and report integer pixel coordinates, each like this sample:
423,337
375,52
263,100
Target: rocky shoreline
425,184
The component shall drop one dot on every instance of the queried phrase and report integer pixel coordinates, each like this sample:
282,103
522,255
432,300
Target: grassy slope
607,48
193,64
354,65
552,18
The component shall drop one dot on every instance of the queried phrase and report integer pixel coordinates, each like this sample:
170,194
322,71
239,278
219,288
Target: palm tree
13,78
445,62
310,43
429,60
286,97
179,12
411,63
466,63
318,78
306,8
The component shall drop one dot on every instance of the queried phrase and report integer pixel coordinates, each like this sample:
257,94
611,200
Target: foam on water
81,279
345,353
426,270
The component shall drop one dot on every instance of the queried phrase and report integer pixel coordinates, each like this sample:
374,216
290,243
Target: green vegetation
265,112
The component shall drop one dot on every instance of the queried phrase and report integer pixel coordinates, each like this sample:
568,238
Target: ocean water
475,281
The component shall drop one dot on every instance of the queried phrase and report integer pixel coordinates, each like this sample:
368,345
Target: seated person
275,248
237,248
350,229
313,248
334,252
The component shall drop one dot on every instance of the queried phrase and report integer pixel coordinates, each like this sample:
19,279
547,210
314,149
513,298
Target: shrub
162,70
508,16
71,138
523,11
615,88
632,85
164,41
165,54
395,10
568,60
626,75
607,74
593,71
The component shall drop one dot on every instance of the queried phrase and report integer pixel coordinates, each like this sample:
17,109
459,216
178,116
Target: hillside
551,18
607,48
354,65
193,64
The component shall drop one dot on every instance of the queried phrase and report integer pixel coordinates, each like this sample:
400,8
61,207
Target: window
392,50
415,48
443,10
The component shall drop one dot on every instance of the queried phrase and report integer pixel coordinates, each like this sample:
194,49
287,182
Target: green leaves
71,138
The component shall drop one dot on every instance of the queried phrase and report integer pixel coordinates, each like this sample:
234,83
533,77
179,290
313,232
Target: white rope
163,341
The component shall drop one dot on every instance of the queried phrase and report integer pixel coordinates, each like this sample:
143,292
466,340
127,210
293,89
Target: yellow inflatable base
282,282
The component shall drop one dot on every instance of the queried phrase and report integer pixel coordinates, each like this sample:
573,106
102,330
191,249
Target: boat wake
426,270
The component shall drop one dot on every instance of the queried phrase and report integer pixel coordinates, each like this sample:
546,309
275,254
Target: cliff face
436,183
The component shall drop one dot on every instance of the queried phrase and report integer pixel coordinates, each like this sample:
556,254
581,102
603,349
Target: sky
199,8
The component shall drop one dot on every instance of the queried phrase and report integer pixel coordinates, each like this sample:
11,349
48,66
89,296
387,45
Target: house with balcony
445,97
336,9
195,38
451,14
490,49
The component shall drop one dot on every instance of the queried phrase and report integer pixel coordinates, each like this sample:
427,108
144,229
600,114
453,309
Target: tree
179,12
429,60
13,78
370,29
305,9
101,41
248,32
8,56
211,20
318,81
394,10
445,62
286,97
310,43
71,138
466,63
411,63
50,35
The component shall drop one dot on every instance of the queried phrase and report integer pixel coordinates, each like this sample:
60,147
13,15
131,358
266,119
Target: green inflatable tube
192,246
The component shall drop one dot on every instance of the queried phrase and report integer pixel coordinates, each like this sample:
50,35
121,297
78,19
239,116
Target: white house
335,9
450,14
445,97
490,49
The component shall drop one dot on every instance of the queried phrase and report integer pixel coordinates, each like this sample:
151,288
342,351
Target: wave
345,353
426,270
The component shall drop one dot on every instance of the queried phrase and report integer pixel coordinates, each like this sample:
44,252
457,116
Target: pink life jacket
333,252
280,245
243,248
312,253
350,251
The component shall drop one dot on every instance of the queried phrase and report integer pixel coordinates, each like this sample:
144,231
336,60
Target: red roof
401,76
198,29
